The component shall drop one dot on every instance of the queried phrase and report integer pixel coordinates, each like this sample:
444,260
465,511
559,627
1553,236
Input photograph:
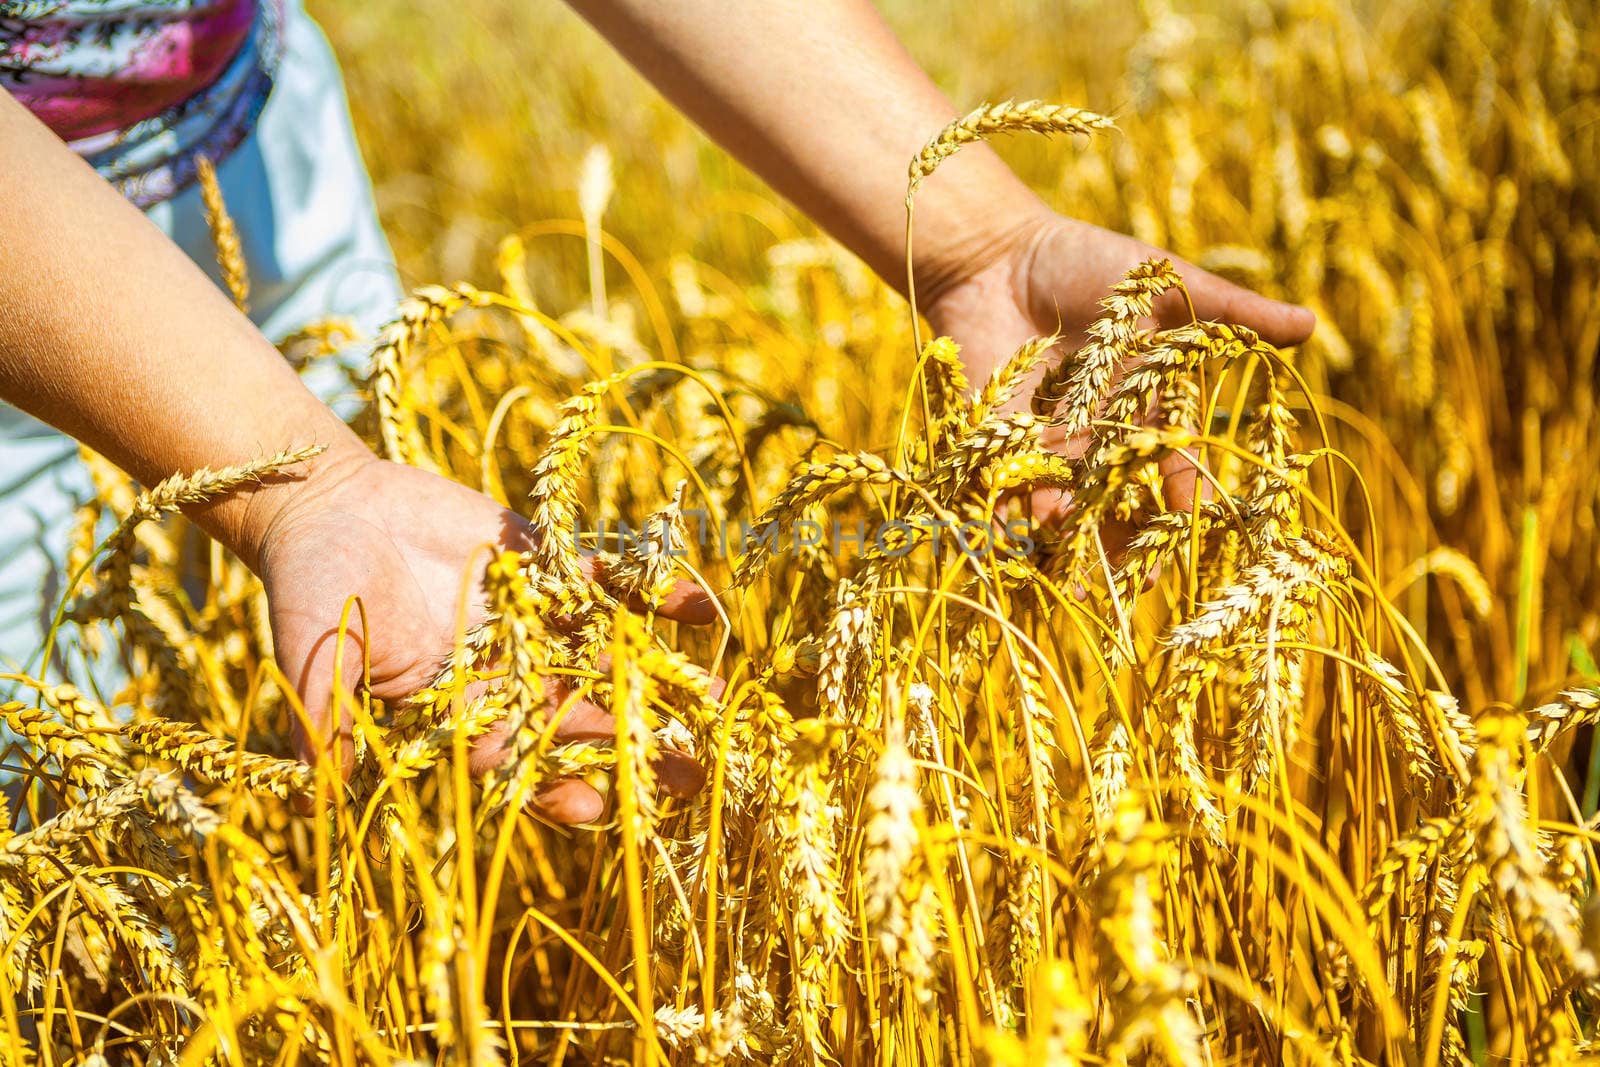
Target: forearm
821,100
110,333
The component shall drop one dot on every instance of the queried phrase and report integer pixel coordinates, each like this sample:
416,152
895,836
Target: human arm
819,99
110,333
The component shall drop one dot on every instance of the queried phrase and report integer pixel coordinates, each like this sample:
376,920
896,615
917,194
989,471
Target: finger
1182,480
679,774
1074,446
569,801
1152,578
1050,507
1279,323
581,720
685,602
489,749
317,736
1115,535
1180,476
688,603
572,800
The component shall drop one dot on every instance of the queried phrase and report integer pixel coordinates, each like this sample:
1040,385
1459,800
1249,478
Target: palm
407,572
1052,279
410,547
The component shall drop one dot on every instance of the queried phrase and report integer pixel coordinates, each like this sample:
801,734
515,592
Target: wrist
246,519
967,234
993,271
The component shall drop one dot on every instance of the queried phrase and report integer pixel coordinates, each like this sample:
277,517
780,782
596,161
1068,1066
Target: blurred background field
474,122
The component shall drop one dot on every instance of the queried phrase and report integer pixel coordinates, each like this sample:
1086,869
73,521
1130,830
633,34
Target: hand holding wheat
403,541
1049,278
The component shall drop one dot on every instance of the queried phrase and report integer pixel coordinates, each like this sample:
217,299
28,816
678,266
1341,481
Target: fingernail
569,802
680,774
587,808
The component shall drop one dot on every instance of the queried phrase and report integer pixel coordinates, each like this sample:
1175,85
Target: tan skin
401,539
108,332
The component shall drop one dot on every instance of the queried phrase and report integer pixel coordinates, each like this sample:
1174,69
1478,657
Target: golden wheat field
1309,774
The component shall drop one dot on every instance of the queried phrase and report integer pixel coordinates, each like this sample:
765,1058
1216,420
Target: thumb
1279,323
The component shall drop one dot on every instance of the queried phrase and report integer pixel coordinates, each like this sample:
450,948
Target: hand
402,540
1054,270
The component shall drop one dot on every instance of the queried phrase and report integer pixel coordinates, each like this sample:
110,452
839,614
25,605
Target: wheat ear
426,306
171,494
216,759
1032,115
224,235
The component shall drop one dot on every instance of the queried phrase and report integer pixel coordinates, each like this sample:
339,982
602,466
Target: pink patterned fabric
92,75
141,87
